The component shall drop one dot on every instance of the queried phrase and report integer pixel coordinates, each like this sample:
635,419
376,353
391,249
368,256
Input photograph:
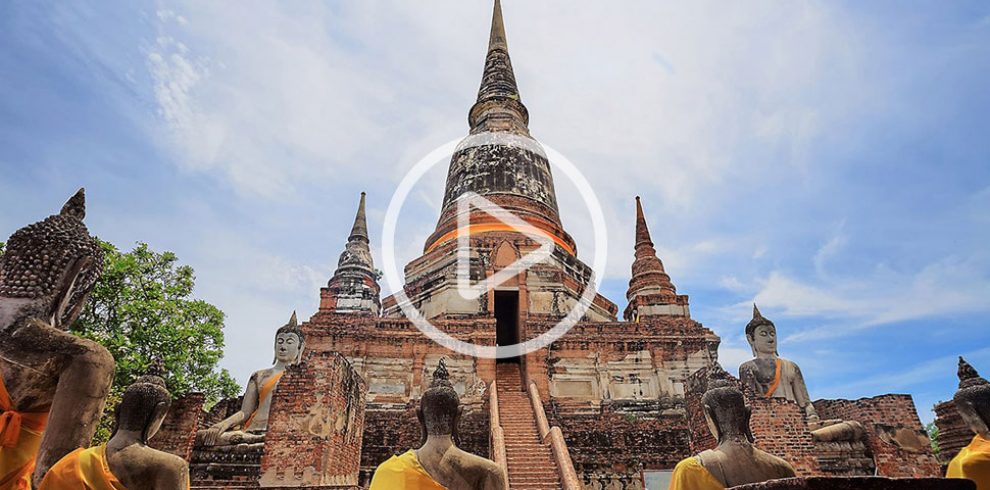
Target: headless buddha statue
53,385
126,461
735,461
439,464
769,374
973,403
248,425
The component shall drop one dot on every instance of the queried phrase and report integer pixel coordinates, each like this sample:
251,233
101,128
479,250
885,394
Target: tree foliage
932,431
142,310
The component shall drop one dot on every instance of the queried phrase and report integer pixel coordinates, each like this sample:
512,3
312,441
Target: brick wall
779,428
895,435
316,425
178,430
953,432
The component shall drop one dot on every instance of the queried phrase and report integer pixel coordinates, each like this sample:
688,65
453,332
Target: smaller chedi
973,403
735,461
770,375
439,464
53,384
126,461
247,426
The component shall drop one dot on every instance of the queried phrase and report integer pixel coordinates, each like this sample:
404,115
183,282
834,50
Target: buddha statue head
440,407
761,335
49,268
725,407
973,399
289,342
144,405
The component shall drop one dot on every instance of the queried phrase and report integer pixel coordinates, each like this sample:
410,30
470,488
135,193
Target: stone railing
497,442
568,477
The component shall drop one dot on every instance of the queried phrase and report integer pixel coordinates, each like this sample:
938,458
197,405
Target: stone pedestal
860,483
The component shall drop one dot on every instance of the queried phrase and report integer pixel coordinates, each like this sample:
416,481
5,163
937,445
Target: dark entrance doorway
507,320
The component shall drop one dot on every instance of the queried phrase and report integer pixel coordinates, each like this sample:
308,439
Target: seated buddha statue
973,404
126,461
53,384
248,425
770,375
439,464
735,461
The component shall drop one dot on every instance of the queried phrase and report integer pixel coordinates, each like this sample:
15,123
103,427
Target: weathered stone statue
771,375
973,403
439,464
248,425
735,461
126,461
53,385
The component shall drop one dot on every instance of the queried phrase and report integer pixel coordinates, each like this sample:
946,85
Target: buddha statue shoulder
770,375
249,424
438,463
735,461
126,461
973,404
53,384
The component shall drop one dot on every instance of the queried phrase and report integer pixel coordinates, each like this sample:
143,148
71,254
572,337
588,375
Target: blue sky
829,160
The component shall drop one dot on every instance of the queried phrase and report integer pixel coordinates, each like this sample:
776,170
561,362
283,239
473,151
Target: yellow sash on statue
263,393
82,469
690,474
20,439
972,462
776,381
403,473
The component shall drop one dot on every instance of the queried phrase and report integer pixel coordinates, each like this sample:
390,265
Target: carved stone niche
861,483
315,429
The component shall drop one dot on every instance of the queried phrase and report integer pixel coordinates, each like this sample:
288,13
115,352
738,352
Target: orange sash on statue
263,393
776,381
82,469
20,439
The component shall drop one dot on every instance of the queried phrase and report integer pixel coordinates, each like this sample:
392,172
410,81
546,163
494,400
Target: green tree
932,431
141,310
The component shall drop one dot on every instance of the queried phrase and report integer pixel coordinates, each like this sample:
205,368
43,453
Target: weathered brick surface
778,427
316,424
178,430
953,432
860,483
894,433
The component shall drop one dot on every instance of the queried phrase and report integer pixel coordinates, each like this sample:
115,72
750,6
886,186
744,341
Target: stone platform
861,483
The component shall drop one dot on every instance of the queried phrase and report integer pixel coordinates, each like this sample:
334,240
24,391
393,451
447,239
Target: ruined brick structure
953,432
618,397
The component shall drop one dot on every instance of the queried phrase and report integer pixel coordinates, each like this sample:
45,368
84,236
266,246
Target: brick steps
531,464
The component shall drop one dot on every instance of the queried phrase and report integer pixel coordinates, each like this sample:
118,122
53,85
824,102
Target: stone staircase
530,461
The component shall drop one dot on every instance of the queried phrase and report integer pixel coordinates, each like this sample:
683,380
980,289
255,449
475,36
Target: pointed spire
76,205
354,285
498,106
642,231
497,36
650,284
360,228
756,313
293,321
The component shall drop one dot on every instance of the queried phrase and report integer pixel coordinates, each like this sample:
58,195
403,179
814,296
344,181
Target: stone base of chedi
860,483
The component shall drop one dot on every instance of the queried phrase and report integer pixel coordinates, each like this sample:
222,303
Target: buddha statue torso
248,425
